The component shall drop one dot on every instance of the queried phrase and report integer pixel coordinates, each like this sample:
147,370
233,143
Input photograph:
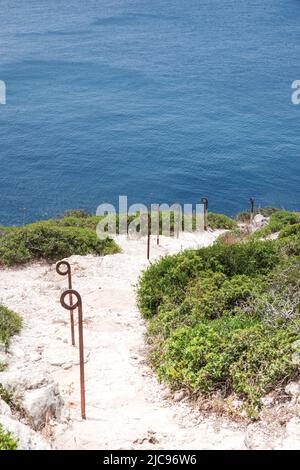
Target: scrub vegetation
226,318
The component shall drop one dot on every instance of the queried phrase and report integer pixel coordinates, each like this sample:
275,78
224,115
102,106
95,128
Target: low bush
7,440
170,277
45,240
225,318
220,221
10,325
232,353
233,236
290,231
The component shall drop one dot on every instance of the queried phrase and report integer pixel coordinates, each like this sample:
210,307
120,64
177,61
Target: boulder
42,404
35,391
293,389
259,221
178,396
18,379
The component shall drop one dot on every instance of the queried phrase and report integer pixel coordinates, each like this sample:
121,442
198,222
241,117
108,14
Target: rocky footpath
126,407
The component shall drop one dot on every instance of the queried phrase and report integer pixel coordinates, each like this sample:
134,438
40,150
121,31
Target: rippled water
162,100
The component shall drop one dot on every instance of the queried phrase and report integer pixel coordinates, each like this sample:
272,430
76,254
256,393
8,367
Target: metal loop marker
71,307
67,272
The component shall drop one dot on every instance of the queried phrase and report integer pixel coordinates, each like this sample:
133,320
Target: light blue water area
161,100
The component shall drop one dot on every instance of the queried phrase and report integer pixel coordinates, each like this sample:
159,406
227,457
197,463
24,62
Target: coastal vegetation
72,234
226,319
7,440
52,240
10,325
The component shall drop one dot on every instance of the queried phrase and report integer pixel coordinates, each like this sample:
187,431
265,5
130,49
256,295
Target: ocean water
159,100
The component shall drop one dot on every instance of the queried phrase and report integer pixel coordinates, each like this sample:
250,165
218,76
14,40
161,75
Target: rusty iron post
67,272
72,307
204,201
148,236
158,225
251,209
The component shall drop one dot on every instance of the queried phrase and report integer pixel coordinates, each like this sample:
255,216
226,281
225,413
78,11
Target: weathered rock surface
4,408
259,221
260,436
293,389
291,440
34,390
42,404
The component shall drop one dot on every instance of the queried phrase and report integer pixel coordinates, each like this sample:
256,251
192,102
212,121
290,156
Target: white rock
259,221
23,378
178,396
267,401
165,394
292,435
27,438
41,404
237,404
293,389
262,436
4,408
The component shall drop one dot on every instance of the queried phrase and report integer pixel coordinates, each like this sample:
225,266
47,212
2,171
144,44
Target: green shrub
225,318
167,278
290,231
220,221
10,325
44,240
232,353
170,277
233,236
78,213
7,440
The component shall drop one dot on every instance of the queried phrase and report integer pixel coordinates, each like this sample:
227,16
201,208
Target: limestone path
126,407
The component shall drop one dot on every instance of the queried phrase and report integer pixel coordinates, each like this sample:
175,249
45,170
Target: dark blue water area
161,100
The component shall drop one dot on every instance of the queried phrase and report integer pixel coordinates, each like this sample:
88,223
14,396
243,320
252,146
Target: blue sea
159,100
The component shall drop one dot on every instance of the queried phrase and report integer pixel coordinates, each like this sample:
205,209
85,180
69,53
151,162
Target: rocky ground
126,407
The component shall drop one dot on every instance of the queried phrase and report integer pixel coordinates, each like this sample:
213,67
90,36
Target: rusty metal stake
158,225
251,209
67,272
78,305
148,236
204,201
